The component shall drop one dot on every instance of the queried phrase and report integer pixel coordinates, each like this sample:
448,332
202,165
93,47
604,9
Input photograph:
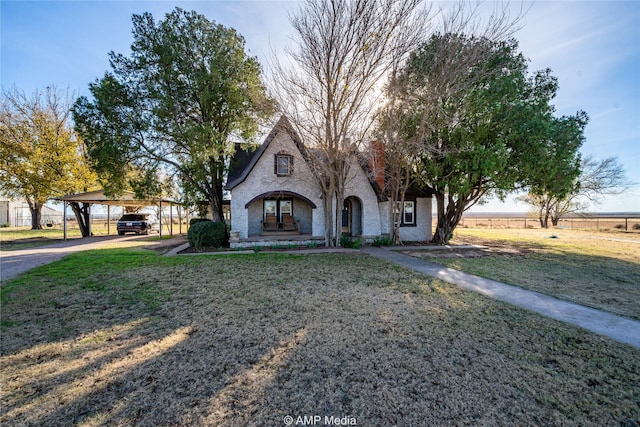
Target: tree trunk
448,218
328,196
545,211
397,216
555,214
544,220
83,216
214,190
327,205
216,209
337,220
36,214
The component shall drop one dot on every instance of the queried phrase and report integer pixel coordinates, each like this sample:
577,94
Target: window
283,164
270,208
285,208
406,213
278,208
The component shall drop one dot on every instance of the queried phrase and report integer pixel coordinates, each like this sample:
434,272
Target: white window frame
412,212
282,172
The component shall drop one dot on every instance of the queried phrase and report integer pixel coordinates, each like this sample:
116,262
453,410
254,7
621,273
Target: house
274,195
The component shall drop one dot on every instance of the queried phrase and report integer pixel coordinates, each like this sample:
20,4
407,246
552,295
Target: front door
346,217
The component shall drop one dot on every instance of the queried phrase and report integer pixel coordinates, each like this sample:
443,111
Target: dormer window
283,164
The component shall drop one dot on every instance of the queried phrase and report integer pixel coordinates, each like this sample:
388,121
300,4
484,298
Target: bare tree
400,154
330,87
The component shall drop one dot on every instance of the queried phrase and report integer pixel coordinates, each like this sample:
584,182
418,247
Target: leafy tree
553,176
403,139
40,156
595,180
177,103
481,121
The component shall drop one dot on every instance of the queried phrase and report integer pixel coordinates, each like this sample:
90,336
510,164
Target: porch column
89,215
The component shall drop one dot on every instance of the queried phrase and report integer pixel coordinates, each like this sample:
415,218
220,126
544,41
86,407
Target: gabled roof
245,159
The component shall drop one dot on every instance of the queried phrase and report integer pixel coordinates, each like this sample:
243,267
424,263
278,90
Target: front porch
276,238
275,214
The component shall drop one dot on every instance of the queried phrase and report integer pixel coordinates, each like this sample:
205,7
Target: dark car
136,223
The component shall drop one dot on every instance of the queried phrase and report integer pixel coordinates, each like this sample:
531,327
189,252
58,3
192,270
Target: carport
127,199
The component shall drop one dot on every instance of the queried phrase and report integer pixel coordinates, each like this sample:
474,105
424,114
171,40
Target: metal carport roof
127,198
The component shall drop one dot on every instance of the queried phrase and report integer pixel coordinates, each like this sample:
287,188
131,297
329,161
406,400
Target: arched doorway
352,216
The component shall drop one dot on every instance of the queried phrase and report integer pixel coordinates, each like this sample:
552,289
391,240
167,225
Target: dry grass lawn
600,270
127,337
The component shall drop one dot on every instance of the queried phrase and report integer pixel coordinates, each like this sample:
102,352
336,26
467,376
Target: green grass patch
19,238
19,233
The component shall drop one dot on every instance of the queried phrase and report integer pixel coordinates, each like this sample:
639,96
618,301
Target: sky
592,47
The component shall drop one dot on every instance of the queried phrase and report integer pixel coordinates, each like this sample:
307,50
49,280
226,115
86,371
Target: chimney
377,162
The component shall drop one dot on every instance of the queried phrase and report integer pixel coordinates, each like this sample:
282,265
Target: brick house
274,195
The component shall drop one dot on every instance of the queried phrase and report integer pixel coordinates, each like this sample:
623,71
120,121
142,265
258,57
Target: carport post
108,220
160,217
64,219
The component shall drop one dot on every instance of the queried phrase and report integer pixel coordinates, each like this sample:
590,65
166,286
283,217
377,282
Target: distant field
630,223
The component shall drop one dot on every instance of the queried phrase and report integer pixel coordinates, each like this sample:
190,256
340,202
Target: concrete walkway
616,327
13,263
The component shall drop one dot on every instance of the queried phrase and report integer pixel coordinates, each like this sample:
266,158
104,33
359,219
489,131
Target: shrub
382,241
348,242
197,220
636,226
206,234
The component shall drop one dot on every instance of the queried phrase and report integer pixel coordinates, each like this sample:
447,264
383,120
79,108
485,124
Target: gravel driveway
13,263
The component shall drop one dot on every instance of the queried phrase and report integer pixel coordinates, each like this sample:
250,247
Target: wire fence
601,223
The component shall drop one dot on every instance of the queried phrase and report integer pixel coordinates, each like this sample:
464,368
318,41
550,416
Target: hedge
207,234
